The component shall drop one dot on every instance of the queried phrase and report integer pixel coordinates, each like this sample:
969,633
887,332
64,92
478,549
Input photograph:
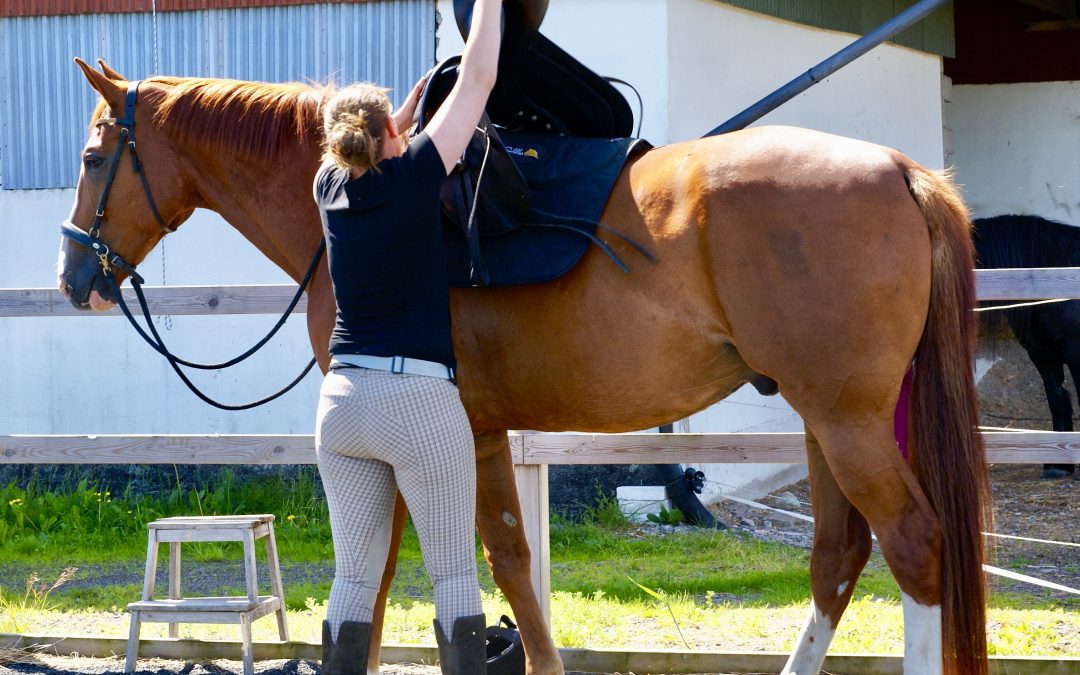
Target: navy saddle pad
570,178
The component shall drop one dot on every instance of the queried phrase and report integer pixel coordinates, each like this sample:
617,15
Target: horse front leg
498,517
379,610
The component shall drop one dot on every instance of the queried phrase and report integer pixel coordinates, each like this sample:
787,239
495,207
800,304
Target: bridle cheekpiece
91,239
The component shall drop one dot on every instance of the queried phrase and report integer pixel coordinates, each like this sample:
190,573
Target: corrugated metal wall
45,102
50,7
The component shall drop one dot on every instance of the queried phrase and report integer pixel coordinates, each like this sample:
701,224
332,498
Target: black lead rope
158,344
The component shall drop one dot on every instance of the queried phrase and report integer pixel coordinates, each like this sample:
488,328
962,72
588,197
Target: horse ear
109,72
109,90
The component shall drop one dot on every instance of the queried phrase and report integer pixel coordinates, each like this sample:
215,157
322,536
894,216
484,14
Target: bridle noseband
91,239
109,260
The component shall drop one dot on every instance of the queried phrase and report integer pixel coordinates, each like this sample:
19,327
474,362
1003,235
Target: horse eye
93,161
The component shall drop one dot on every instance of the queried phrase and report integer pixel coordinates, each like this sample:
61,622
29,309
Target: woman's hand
403,117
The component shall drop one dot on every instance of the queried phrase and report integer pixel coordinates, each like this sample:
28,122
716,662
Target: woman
389,416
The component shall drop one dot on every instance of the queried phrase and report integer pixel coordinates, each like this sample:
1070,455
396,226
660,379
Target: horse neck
270,204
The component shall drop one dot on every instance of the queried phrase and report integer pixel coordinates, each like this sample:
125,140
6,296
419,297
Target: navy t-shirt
387,261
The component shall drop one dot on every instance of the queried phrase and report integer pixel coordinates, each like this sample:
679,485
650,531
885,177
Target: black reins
108,261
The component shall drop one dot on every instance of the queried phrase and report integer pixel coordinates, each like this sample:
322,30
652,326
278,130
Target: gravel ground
56,665
1011,395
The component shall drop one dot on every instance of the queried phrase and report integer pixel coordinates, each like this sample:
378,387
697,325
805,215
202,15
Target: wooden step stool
235,609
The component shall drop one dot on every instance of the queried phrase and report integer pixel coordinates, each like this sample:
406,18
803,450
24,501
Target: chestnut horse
824,263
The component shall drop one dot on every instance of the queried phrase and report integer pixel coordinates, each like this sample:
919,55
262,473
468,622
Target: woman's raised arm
452,126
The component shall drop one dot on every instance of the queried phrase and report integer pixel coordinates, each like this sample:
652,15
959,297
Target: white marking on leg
922,638
841,588
809,654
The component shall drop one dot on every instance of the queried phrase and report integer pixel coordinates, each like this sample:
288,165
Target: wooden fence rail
589,660
528,449
1007,284
171,300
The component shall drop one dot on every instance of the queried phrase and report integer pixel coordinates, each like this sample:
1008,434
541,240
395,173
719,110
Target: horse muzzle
81,279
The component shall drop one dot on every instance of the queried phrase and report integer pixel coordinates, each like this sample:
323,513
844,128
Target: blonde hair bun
354,121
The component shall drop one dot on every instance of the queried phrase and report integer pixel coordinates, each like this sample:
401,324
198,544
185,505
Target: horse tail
947,452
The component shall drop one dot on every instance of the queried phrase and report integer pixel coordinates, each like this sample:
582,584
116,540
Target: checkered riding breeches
376,433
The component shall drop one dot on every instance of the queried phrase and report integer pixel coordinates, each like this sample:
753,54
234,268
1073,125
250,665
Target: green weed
666,517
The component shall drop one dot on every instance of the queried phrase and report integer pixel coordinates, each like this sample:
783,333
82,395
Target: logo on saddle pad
523,152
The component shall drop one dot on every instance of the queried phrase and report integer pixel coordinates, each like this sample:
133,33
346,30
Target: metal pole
885,31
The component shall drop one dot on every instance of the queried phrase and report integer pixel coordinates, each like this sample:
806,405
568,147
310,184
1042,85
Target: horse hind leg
867,467
842,546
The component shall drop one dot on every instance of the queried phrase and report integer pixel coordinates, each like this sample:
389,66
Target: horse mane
1021,241
252,119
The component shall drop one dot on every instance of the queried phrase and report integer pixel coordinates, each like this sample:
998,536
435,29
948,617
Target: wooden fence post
532,487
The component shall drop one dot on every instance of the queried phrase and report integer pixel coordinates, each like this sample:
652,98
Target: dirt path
56,665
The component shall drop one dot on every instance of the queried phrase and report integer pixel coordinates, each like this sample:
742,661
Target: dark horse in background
1049,333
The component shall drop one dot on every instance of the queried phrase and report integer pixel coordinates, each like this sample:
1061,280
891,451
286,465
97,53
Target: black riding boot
466,652
350,655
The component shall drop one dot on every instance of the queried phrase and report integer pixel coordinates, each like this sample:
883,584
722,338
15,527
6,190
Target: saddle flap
485,169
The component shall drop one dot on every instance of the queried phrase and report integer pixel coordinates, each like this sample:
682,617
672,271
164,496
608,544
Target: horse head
128,197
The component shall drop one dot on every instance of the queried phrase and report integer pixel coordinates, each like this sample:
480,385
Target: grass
39,521
871,625
706,590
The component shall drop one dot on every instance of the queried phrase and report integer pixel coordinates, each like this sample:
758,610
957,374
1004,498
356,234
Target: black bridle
110,261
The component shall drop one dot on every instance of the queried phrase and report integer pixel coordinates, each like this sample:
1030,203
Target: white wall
723,59
1017,148
86,374
697,63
